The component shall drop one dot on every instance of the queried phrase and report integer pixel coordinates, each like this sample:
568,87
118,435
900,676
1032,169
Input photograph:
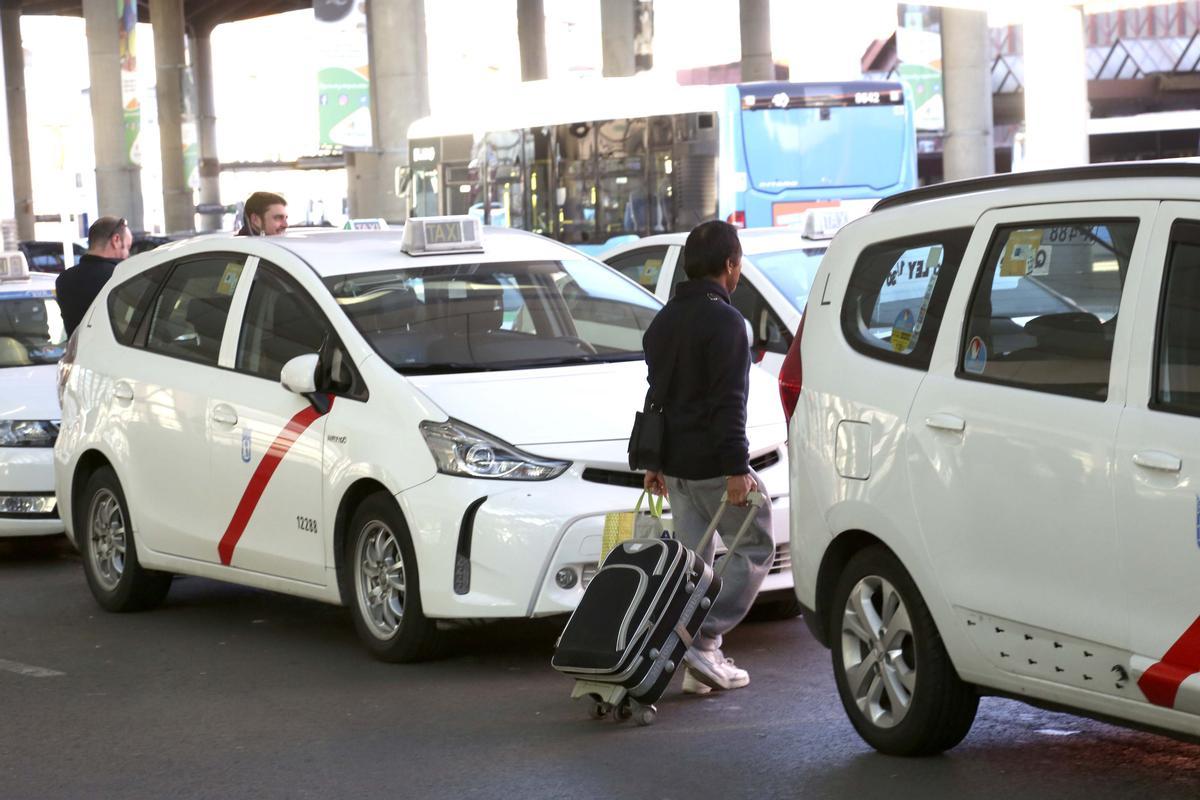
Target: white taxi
421,424
779,266
32,339
994,452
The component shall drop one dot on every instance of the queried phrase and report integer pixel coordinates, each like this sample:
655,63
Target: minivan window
510,315
897,294
188,318
1044,312
1177,384
127,303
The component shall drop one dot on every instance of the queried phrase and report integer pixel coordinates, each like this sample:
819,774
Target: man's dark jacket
78,286
705,405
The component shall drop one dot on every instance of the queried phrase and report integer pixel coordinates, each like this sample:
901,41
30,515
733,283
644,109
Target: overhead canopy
199,15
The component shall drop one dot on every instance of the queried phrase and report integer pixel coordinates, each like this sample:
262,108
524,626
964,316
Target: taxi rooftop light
823,223
13,266
432,235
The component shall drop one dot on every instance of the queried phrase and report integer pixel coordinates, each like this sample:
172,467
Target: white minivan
994,435
422,424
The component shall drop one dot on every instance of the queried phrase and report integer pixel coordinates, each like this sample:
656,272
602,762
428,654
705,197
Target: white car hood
29,392
585,403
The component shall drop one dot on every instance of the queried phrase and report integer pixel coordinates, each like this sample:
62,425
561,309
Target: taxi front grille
633,480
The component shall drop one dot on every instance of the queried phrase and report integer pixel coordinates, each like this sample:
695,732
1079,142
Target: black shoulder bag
649,433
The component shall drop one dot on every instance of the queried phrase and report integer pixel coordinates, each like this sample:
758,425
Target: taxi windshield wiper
438,368
562,361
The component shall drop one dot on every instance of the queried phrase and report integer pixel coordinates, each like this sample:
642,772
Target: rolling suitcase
636,620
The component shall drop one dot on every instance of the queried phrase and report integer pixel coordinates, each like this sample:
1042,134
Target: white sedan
31,341
422,424
778,268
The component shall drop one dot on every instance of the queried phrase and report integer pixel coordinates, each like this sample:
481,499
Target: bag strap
654,506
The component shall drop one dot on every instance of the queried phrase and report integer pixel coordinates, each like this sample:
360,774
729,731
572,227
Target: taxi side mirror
300,374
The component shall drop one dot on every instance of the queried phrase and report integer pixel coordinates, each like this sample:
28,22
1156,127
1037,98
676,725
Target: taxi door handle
224,415
946,422
123,391
1156,459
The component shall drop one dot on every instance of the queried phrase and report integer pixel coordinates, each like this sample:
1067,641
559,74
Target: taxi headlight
460,449
28,432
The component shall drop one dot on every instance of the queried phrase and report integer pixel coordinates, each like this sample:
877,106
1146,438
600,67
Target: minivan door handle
946,422
123,391
1156,459
223,414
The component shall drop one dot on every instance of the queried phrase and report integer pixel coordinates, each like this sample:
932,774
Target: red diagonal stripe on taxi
279,448
1161,682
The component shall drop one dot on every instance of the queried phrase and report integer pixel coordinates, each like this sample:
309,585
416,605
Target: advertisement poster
343,84
127,50
920,56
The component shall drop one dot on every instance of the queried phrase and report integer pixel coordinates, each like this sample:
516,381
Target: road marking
28,670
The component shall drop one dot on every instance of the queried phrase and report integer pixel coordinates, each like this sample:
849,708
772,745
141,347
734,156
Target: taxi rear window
31,329
509,315
128,302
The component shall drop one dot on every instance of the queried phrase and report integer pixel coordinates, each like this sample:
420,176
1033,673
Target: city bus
587,161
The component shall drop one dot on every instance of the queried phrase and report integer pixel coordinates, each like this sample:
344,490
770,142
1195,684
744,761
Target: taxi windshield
510,315
792,271
31,329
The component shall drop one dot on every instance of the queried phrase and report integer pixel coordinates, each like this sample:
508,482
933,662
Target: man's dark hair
708,247
104,229
259,202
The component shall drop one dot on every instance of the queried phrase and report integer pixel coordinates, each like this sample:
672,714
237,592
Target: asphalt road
229,693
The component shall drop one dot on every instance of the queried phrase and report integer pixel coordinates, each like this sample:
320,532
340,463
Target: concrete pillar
170,61
399,96
210,165
118,180
758,64
617,23
18,128
643,36
1056,103
967,89
531,34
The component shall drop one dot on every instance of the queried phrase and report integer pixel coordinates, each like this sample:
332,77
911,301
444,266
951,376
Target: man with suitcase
698,357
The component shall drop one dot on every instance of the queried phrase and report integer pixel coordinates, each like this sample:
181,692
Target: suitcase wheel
597,708
629,708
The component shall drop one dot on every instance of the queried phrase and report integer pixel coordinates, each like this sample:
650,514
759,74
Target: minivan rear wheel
382,584
896,681
110,562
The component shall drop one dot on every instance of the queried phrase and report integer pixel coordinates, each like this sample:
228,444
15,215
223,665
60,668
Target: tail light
737,219
791,374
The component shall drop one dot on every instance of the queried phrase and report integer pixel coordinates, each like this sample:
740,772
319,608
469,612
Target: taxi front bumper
489,548
27,503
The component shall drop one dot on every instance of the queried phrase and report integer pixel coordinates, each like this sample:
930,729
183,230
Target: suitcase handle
756,500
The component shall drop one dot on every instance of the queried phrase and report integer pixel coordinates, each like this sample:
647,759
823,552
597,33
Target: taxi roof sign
823,223
13,266
434,235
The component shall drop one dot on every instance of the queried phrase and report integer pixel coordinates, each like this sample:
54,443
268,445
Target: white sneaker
713,669
692,684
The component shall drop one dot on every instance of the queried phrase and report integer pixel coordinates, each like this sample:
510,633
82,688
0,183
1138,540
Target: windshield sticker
1019,253
902,331
229,280
976,358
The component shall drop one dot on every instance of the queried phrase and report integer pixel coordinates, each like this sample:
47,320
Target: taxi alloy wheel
106,532
380,582
896,681
380,579
117,580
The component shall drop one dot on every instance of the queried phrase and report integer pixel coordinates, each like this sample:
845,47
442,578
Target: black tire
940,706
119,584
395,637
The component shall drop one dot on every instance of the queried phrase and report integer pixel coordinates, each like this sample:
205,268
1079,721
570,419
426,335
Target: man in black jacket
109,239
700,340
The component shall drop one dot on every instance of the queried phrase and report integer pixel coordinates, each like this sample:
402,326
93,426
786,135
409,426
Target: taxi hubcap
106,529
877,652
380,579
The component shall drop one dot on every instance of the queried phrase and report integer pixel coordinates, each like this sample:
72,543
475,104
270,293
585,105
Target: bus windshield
816,148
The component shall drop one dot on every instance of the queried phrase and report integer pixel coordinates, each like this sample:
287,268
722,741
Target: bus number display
867,98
